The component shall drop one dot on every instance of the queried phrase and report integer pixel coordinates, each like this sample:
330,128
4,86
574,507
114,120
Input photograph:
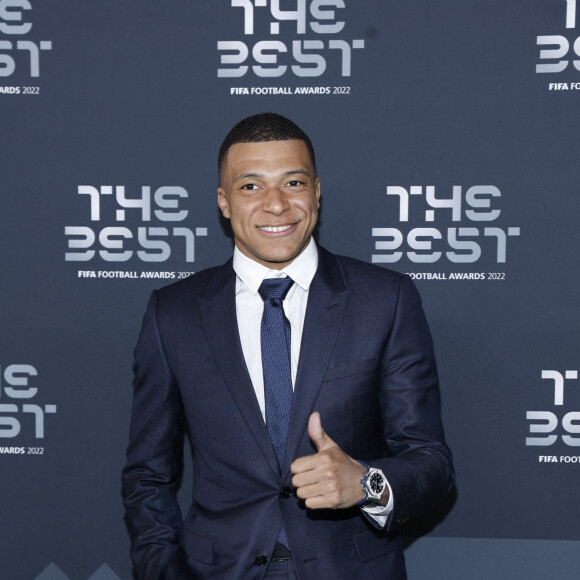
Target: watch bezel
371,497
370,493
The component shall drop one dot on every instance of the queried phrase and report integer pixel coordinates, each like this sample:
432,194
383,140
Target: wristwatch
373,484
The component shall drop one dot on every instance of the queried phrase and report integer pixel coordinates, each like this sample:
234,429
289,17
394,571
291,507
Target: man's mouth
276,229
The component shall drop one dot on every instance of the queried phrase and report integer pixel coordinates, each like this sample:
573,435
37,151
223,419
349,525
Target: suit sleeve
154,460
419,465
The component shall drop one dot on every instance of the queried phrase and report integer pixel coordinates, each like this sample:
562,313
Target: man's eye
294,183
249,186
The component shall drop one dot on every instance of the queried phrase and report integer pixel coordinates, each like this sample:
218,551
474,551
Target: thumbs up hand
317,434
330,478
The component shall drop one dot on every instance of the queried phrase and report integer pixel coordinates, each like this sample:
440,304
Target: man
306,382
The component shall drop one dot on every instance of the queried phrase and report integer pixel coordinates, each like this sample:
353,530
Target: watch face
376,483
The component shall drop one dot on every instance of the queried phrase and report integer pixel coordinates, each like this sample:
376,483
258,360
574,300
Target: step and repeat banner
448,144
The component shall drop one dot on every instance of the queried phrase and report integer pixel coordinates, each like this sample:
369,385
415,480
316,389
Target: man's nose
275,201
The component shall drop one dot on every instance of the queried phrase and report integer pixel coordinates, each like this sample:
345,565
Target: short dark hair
264,127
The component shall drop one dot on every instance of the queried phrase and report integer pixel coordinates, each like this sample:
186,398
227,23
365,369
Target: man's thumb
317,434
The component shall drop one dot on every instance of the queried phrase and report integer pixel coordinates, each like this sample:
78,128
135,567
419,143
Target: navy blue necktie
275,341
276,349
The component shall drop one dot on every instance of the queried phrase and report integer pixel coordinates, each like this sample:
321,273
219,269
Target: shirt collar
302,269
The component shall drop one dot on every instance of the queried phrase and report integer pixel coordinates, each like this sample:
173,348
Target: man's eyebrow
248,176
260,176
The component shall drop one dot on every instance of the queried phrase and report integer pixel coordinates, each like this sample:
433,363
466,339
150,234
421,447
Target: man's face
270,193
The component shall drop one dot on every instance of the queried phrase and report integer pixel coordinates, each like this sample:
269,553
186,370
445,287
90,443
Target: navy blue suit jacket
366,364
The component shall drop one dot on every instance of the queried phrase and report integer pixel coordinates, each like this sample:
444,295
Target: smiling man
271,195
306,382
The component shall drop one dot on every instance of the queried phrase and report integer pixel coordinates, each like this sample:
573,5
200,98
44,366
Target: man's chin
278,260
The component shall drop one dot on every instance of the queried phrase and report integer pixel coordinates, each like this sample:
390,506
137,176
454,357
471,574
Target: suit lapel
327,300
217,308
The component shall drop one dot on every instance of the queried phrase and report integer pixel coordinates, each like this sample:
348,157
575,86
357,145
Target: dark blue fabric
275,343
366,365
281,571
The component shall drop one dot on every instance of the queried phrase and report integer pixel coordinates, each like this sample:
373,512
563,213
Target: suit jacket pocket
350,370
370,545
198,546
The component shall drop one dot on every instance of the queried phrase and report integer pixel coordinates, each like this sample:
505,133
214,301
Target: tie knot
275,288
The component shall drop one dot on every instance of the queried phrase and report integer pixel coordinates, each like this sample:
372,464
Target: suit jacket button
261,560
286,492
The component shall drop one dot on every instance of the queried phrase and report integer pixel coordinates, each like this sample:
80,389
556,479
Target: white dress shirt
249,309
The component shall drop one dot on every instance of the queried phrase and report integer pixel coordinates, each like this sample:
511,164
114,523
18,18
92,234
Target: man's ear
223,202
317,190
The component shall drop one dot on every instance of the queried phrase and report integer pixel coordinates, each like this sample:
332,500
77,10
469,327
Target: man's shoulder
359,272
197,283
